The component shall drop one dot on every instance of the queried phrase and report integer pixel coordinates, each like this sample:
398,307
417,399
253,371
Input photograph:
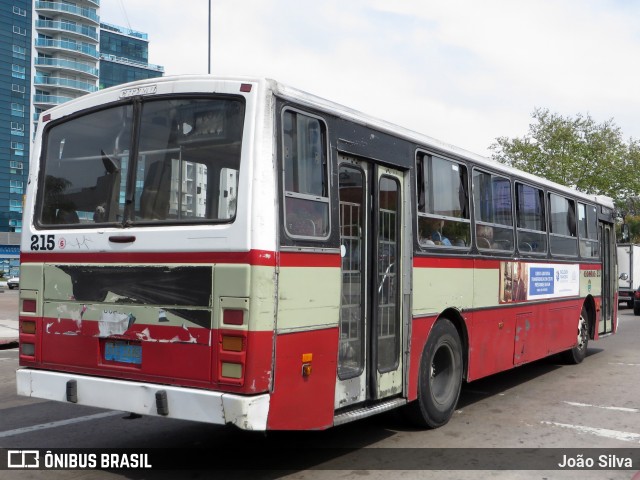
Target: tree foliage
577,152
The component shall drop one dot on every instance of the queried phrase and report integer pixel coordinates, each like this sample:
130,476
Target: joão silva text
603,461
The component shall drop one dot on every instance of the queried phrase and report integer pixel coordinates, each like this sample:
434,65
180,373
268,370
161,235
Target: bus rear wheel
577,353
440,377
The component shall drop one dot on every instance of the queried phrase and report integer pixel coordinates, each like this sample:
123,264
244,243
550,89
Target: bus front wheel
440,377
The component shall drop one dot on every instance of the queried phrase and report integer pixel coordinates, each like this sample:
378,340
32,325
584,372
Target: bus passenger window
493,211
443,203
563,240
588,230
530,220
306,197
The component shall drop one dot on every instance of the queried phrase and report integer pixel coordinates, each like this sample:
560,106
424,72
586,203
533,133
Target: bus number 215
43,242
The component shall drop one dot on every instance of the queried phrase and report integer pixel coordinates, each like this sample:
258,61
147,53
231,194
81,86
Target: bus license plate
123,352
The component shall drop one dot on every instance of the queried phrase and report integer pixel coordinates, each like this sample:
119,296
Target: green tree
577,152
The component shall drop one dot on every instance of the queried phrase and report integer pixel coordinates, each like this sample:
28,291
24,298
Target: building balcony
47,101
65,83
48,45
124,31
67,28
89,14
43,63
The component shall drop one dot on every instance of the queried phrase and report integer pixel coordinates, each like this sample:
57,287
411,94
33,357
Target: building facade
65,52
15,94
52,52
124,56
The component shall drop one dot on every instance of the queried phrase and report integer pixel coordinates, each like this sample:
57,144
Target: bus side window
492,203
588,230
306,196
443,203
563,239
530,220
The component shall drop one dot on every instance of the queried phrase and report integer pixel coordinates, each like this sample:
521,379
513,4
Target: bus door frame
373,383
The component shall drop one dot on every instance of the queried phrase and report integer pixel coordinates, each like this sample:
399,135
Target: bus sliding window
306,197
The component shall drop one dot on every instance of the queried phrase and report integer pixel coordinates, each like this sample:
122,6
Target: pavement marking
59,423
625,364
600,432
619,409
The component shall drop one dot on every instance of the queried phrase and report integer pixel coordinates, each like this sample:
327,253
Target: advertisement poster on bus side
521,281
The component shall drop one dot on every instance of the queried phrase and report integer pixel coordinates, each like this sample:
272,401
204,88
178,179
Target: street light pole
209,49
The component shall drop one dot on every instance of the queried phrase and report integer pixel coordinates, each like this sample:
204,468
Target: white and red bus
233,250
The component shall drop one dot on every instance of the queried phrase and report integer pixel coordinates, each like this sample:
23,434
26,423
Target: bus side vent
162,404
72,391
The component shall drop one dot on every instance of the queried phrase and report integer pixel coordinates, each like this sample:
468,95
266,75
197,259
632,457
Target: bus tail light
27,349
232,317
29,305
232,356
231,371
232,343
27,326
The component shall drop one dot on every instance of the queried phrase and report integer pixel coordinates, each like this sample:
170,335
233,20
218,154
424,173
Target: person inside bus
484,236
432,231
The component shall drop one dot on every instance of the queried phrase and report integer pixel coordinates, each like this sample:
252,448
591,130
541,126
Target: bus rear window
171,160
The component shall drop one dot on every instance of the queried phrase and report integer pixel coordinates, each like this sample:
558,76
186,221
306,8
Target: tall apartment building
65,52
52,52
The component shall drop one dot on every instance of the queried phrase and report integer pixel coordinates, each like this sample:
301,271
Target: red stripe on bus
439,262
590,266
304,259
252,257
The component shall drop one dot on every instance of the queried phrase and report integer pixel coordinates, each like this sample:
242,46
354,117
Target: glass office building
15,91
124,56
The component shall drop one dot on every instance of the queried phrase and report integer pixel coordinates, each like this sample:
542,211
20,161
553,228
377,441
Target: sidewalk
8,318
8,332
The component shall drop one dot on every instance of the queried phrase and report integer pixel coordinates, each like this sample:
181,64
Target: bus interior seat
154,201
66,216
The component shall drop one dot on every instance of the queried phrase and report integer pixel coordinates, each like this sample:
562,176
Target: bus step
358,413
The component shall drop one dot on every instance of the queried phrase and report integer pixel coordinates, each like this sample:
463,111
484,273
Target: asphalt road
542,405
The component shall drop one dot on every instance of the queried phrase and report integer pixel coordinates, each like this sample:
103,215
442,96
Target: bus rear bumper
246,412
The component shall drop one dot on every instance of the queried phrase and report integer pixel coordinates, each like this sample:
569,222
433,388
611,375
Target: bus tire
576,354
439,377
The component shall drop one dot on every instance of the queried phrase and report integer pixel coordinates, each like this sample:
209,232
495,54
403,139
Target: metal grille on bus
351,329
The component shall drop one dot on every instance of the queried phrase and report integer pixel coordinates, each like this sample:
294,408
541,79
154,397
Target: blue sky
462,71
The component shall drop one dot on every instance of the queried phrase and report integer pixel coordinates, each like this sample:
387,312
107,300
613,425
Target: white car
13,282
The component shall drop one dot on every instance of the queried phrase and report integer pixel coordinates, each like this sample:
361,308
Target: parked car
14,282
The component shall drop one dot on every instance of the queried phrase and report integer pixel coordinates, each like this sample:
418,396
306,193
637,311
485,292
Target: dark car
14,282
